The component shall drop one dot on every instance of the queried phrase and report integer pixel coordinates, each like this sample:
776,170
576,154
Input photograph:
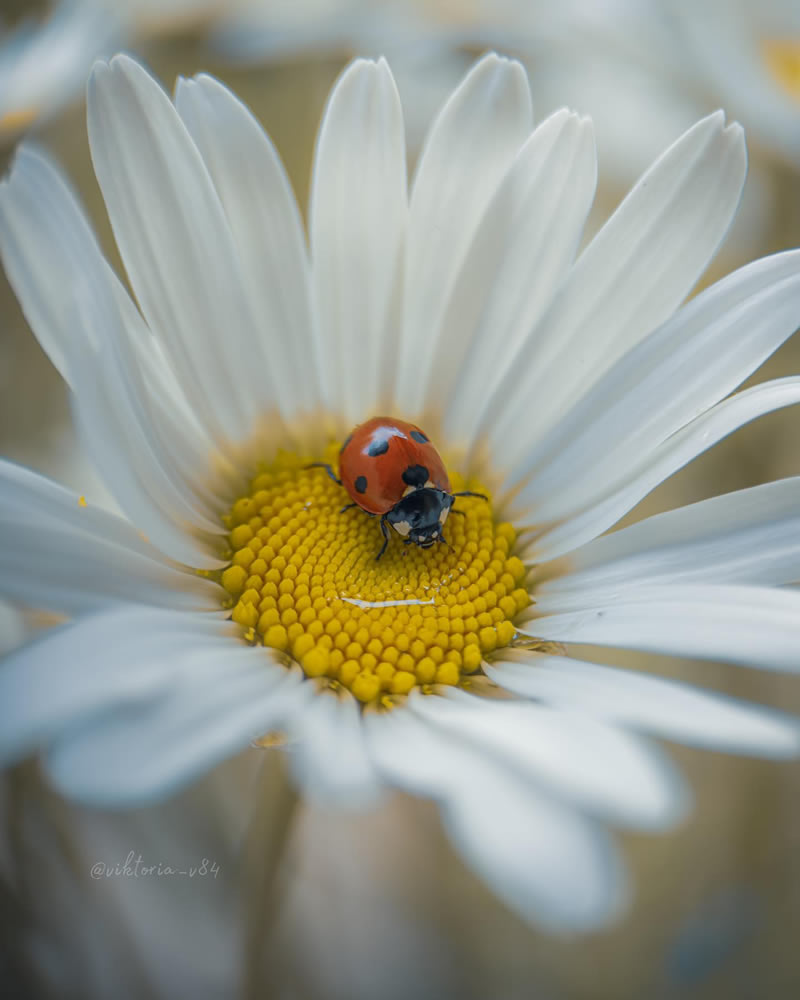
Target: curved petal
601,769
471,145
691,362
630,278
751,626
547,862
329,758
750,536
82,669
357,222
225,696
137,422
46,243
176,245
76,573
523,247
697,437
665,708
266,226
115,420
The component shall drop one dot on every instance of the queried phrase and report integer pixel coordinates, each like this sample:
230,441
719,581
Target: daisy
43,65
237,600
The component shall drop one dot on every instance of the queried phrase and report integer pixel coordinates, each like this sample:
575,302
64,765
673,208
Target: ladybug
390,468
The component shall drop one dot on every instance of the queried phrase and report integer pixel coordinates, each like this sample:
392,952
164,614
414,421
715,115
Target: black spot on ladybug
415,475
347,442
419,436
361,484
378,448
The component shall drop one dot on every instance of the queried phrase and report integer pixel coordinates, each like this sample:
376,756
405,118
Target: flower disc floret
303,579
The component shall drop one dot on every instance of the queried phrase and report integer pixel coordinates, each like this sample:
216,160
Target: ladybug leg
385,532
454,511
327,468
347,506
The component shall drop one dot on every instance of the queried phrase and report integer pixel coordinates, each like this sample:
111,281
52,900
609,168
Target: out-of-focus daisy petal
750,536
601,769
665,708
546,861
630,278
43,65
523,247
706,621
223,698
471,145
266,225
149,169
357,223
679,449
328,755
692,361
731,46
81,669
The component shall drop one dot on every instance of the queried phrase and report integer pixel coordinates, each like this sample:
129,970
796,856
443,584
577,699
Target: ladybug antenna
469,493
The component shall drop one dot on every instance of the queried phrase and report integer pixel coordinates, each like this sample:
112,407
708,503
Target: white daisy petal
176,244
706,621
29,498
357,222
140,753
750,536
679,449
522,249
94,334
46,245
266,225
328,756
696,358
471,145
630,278
603,770
112,417
56,569
546,861
549,864
79,670
665,708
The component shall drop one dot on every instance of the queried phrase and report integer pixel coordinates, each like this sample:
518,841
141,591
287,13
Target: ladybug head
420,515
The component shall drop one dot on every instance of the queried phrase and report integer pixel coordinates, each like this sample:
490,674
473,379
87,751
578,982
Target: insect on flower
389,467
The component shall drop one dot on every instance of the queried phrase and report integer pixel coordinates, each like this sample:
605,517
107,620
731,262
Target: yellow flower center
782,57
303,579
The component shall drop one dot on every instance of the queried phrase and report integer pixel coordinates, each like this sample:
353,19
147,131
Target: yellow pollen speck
81,501
303,579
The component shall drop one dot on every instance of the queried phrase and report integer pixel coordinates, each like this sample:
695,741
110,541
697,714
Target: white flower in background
237,600
747,56
43,64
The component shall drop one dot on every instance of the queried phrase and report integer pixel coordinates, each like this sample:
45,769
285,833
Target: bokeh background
319,904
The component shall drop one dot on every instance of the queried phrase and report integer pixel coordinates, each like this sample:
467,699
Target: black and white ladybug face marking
420,516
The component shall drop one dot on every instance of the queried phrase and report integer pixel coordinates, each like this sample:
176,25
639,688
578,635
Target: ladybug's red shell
383,459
